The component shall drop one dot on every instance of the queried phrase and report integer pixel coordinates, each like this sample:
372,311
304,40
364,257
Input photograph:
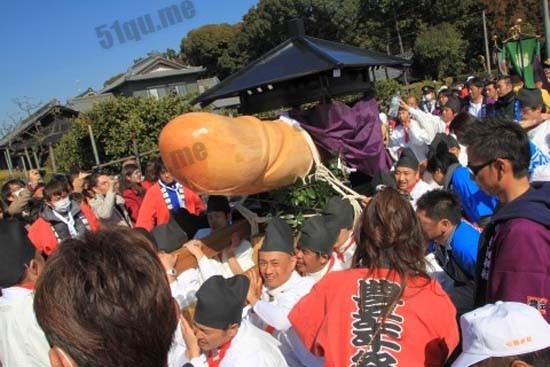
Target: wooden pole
8,161
24,166
28,157
52,157
215,243
36,158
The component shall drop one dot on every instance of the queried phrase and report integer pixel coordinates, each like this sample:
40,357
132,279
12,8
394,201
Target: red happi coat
153,210
421,331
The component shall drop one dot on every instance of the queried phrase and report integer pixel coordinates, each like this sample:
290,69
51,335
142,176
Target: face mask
427,97
62,206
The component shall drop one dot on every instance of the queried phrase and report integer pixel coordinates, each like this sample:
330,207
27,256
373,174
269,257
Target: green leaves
212,46
294,203
115,123
439,50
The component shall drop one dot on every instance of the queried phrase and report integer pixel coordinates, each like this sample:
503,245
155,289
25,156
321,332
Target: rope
324,174
321,173
253,219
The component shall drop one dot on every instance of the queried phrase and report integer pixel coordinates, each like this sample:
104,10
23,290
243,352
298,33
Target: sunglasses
474,170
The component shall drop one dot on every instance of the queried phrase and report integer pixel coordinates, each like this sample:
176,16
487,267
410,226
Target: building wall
159,87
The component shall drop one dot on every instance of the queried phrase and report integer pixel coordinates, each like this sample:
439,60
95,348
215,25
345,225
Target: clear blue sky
50,48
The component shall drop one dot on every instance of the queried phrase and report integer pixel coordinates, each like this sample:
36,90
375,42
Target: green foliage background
115,123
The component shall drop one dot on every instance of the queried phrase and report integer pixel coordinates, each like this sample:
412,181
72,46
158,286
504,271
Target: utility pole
546,26
487,55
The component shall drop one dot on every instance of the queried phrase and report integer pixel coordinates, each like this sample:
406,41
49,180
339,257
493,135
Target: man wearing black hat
282,288
407,176
220,333
531,105
339,214
234,260
314,250
428,102
22,341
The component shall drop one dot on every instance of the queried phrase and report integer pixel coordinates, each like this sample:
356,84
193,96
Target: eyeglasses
474,170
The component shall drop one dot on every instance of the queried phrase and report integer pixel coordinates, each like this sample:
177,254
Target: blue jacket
475,203
464,245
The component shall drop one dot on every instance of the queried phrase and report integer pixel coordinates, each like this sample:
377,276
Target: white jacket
22,341
271,313
251,347
431,124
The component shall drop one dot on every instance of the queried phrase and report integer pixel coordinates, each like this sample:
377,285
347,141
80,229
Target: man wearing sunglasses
512,262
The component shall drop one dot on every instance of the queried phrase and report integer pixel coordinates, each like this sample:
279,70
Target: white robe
430,124
22,341
417,141
540,136
348,249
330,266
271,313
251,347
418,190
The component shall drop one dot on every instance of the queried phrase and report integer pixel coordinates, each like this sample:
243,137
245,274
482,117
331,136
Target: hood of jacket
533,205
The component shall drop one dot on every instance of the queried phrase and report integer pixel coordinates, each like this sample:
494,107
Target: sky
51,49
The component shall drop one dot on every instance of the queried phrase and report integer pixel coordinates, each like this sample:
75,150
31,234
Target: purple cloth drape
353,132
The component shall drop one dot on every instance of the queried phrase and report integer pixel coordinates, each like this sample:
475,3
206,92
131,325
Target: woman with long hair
385,311
131,189
150,174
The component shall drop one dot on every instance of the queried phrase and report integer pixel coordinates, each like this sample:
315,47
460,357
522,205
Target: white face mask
62,206
427,97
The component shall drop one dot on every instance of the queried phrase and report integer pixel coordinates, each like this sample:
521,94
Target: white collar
346,245
316,276
294,277
14,294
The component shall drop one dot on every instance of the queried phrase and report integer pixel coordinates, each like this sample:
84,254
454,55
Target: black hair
507,80
159,167
498,138
440,204
441,159
94,177
6,188
105,300
491,82
56,186
461,123
477,82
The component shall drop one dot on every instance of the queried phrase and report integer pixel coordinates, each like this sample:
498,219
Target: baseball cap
427,89
530,98
502,329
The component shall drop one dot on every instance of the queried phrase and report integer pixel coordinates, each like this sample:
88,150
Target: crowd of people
448,262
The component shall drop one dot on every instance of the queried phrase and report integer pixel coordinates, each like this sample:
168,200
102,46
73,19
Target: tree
116,122
439,51
266,24
211,46
502,14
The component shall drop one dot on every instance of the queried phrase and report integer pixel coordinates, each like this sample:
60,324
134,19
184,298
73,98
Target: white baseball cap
500,330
